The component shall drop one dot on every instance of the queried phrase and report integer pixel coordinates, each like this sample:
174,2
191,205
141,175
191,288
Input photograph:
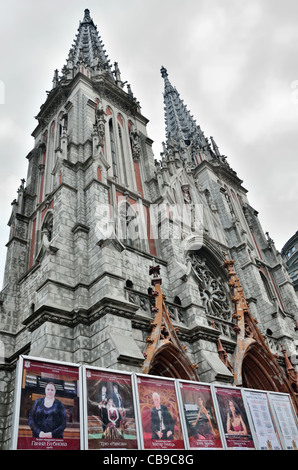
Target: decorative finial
155,271
164,72
87,15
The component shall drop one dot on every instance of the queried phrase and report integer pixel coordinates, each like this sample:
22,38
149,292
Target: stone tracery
213,293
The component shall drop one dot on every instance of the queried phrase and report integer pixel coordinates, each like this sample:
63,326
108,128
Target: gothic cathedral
119,260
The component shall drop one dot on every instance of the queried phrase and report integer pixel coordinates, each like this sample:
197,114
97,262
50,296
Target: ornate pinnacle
155,271
164,72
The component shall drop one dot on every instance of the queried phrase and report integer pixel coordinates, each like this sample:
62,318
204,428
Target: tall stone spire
183,135
88,56
180,124
185,141
88,47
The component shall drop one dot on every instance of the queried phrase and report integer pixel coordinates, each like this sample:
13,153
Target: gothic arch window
62,122
44,236
120,119
48,178
122,155
47,226
213,288
266,287
113,149
130,127
52,129
128,225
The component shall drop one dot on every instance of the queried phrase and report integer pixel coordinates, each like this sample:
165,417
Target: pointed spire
215,147
180,125
183,132
55,78
88,47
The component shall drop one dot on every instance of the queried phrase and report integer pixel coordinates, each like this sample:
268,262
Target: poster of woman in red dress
234,418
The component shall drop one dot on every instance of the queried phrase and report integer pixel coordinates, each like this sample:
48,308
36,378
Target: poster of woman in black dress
49,410
47,416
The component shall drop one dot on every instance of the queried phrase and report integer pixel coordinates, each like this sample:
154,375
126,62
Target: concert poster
159,414
234,419
111,422
48,406
200,416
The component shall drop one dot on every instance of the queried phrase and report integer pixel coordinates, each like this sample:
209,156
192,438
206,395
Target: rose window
213,291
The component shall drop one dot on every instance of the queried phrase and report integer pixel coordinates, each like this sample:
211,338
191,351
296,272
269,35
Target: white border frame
85,407
83,416
182,415
216,386
273,411
17,396
253,430
174,382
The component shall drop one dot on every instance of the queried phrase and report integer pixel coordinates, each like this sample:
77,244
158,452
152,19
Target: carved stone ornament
213,293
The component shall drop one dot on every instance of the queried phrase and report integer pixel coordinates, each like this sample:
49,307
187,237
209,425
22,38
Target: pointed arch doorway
168,362
260,372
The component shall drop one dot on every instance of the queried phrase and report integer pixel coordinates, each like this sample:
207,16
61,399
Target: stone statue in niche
135,142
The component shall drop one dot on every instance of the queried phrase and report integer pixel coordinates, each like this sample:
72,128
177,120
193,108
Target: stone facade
97,211
289,254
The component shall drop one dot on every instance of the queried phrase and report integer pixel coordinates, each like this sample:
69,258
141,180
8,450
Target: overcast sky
234,63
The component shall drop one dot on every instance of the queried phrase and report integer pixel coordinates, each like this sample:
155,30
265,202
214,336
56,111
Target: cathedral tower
98,216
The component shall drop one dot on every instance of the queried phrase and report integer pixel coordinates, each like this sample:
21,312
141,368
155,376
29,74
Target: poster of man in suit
159,413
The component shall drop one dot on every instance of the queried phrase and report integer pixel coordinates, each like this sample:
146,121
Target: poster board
234,418
285,418
47,407
158,411
63,399
199,416
109,405
266,434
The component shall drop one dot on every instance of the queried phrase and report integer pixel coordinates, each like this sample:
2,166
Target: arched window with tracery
122,155
213,288
113,149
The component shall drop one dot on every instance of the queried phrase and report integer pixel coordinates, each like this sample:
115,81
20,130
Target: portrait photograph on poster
49,411
111,421
234,418
200,418
159,413
264,427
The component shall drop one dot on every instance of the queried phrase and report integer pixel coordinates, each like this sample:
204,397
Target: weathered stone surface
76,286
